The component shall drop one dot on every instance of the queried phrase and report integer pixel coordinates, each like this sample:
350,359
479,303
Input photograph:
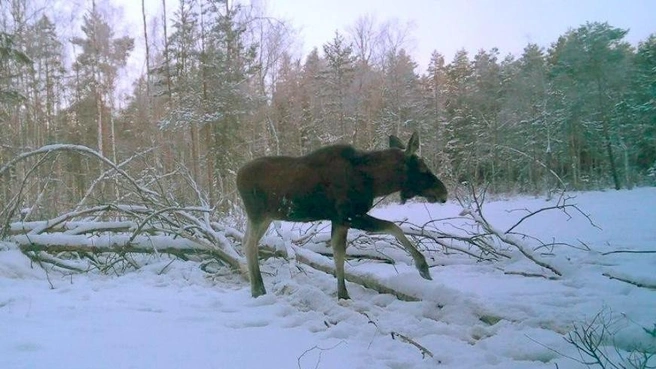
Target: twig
16,200
589,339
525,274
536,160
34,257
475,241
424,351
105,174
321,350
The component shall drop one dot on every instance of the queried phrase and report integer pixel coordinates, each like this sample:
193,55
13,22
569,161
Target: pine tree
96,68
401,110
589,67
641,125
460,127
434,91
337,78
228,68
313,102
47,78
485,105
530,126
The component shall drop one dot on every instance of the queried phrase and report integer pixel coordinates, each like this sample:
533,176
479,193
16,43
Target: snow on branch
473,235
7,213
80,149
151,215
509,239
473,208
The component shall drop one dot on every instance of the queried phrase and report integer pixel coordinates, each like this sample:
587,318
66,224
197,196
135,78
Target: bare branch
626,280
629,252
106,173
561,205
511,241
48,149
320,349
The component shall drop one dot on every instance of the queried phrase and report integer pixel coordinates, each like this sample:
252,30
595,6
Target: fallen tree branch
42,246
151,221
74,227
121,249
473,208
511,240
120,244
629,252
463,244
48,149
39,258
626,280
326,265
525,274
106,174
561,205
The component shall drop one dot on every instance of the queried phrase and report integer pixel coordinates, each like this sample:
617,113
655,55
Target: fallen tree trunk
326,265
182,253
73,227
43,246
121,244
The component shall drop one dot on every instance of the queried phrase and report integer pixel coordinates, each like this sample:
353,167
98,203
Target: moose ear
413,145
396,143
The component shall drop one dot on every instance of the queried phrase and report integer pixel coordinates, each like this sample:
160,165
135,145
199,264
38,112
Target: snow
472,315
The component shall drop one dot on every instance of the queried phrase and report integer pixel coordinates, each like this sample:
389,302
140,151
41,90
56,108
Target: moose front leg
338,242
254,231
370,224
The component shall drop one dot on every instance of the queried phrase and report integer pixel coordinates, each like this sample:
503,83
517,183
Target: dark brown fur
336,183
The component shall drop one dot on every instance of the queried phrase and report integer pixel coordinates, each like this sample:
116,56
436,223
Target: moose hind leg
338,242
254,231
370,224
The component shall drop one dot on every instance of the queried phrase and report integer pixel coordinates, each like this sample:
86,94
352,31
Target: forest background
221,87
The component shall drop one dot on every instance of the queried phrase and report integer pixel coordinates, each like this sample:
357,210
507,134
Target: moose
337,183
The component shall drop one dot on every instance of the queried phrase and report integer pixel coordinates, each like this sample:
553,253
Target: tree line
221,86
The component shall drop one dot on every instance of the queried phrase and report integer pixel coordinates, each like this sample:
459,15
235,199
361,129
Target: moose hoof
342,293
424,272
258,291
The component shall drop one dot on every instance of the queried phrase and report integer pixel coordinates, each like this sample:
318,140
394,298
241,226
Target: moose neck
386,169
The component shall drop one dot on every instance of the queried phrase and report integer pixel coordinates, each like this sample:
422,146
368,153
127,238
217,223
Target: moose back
337,183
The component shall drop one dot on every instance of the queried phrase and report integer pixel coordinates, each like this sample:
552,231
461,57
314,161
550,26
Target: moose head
419,180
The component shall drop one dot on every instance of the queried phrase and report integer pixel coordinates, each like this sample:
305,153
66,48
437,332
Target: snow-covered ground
472,315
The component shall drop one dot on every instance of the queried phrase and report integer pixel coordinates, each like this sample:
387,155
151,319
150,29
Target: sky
450,25
438,25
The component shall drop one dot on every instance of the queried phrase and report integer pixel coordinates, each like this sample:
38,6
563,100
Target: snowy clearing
472,315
